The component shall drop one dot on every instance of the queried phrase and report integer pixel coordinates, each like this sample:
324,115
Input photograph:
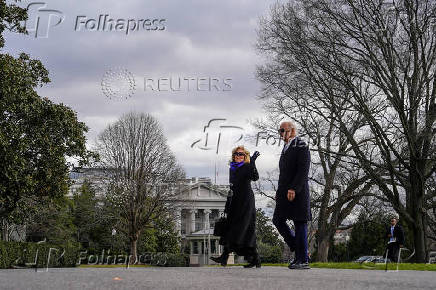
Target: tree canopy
36,135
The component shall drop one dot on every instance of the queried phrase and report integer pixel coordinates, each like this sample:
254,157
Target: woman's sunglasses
238,154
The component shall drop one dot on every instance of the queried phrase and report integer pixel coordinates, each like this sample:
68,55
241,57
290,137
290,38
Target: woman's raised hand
255,155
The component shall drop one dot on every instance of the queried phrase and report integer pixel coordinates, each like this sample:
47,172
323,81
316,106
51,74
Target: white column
217,247
192,211
179,221
207,212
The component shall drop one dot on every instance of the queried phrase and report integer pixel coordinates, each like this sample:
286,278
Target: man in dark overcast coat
395,235
292,196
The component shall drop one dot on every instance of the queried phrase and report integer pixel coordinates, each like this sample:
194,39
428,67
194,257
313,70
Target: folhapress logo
107,23
41,19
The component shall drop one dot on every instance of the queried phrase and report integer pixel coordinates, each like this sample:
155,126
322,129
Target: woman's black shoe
255,262
251,265
220,260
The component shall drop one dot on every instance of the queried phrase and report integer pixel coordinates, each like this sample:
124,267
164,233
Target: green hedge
20,254
268,253
177,260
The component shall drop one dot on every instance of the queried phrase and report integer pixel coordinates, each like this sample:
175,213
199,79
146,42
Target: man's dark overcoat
294,171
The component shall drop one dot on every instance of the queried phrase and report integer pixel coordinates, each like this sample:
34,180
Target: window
213,249
195,248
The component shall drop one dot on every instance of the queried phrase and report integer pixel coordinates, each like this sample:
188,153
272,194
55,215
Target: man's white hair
290,124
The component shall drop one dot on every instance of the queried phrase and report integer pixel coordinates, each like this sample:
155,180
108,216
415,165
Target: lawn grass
361,266
378,266
348,265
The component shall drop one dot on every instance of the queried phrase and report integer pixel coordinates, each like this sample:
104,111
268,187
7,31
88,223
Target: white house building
200,204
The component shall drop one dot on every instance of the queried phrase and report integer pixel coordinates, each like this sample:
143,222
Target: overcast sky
196,39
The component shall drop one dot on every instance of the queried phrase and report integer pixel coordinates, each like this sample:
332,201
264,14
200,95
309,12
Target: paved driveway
214,278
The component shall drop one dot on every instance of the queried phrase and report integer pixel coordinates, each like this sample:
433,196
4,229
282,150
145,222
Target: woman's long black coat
241,210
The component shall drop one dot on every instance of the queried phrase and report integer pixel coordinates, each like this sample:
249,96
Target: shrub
269,253
20,254
177,260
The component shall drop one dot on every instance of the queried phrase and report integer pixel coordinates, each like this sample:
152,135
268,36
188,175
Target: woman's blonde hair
247,154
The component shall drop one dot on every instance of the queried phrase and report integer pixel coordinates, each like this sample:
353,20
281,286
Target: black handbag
220,228
221,225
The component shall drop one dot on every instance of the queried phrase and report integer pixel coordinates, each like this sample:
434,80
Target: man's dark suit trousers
296,241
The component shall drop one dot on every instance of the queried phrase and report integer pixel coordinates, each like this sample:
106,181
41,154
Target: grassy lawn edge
363,266
358,266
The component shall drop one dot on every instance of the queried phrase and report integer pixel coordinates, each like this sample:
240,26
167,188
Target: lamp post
347,239
114,232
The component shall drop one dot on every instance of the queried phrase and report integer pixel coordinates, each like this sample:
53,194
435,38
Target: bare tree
338,184
378,57
291,90
142,171
431,208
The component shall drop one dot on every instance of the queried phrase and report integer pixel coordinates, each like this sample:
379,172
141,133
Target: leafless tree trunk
431,208
378,57
142,171
5,230
338,183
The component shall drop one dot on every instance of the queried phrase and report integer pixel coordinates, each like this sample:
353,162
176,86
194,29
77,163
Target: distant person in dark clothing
240,209
395,235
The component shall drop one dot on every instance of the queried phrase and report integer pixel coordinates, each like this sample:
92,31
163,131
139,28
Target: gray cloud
201,39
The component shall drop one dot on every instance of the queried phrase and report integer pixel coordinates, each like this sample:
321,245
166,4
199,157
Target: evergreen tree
269,245
36,135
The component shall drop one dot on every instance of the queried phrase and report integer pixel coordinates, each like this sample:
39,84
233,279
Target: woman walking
240,209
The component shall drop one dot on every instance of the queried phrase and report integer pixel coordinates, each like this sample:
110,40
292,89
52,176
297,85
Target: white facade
95,175
199,206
